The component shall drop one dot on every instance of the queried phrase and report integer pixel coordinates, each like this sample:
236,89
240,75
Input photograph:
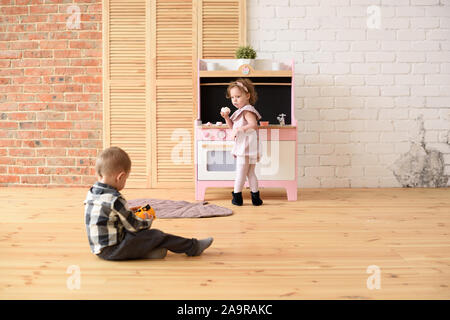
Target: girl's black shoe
237,198
256,200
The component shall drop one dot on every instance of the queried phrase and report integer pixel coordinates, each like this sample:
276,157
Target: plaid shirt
106,215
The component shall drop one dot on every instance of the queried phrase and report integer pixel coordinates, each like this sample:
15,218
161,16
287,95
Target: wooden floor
318,247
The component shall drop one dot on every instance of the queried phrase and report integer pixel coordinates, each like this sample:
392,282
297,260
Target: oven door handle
217,147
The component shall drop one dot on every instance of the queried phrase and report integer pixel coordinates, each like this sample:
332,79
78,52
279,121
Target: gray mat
181,209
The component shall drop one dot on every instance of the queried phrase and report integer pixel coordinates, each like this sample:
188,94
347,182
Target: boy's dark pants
139,245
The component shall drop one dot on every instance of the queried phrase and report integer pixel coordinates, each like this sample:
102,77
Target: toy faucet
281,119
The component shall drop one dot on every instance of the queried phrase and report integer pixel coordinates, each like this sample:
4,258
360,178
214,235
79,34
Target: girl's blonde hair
246,86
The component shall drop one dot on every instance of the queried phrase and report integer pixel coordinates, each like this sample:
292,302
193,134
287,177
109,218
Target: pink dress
246,143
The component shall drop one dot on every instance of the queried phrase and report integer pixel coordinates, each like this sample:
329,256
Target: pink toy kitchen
277,130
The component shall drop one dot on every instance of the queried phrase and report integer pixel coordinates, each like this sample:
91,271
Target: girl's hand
224,112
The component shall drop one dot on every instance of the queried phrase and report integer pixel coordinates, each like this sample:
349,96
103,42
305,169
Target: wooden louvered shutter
174,57
222,28
150,54
125,98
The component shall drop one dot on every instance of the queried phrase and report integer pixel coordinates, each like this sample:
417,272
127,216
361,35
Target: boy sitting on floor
114,231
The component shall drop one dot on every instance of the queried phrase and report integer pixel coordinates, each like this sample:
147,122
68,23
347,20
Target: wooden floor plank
318,247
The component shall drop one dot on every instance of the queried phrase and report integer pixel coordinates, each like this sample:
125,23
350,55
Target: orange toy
145,212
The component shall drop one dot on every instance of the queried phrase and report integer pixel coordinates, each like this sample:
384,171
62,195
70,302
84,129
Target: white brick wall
364,94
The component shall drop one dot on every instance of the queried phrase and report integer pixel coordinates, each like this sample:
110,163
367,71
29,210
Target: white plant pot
250,62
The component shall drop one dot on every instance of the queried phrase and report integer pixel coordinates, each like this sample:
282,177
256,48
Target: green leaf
245,52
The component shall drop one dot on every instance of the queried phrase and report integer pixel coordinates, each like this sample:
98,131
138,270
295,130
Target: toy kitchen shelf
274,84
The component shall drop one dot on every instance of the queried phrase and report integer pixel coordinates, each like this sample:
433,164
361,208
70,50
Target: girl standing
246,147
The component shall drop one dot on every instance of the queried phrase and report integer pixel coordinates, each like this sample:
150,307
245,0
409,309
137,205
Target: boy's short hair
111,161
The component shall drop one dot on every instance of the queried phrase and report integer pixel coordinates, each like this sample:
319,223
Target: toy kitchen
277,130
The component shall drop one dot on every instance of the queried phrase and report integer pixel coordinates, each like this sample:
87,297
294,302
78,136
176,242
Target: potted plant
245,55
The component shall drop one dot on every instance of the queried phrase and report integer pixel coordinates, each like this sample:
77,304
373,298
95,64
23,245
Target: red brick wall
50,92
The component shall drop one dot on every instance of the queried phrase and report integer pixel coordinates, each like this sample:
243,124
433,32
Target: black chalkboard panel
273,99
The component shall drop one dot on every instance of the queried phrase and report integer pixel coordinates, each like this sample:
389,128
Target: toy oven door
215,161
